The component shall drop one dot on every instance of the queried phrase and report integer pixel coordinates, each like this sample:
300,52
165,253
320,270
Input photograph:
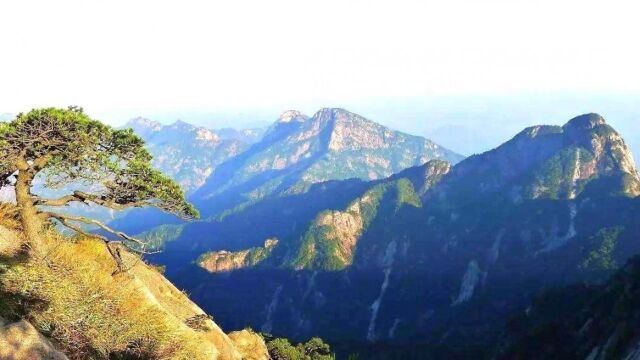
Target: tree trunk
31,224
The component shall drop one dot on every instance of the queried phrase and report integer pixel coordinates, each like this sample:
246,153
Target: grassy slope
72,297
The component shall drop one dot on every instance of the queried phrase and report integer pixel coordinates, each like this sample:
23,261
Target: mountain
580,321
329,241
187,153
248,136
550,162
435,254
298,151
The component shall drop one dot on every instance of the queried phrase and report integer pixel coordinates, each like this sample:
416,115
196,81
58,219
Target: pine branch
80,196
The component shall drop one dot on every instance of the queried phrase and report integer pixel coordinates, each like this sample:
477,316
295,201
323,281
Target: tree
316,349
282,349
68,149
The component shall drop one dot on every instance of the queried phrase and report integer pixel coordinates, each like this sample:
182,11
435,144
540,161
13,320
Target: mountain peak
585,122
181,124
143,122
143,126
332,112
292,115
555,162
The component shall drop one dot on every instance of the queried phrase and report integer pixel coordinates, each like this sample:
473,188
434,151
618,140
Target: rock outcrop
21,341
225,261
250,345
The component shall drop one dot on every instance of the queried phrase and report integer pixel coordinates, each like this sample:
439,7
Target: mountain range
298,151
189,153
391,246
336,226
441,252
294,153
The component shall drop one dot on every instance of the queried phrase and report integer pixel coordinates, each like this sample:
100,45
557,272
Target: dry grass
71,297
9,216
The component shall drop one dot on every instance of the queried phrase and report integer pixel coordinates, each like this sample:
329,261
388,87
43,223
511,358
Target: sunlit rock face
225,261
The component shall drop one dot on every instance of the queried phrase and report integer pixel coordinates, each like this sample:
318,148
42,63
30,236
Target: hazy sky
237,60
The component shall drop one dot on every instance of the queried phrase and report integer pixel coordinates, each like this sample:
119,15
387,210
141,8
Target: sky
241,63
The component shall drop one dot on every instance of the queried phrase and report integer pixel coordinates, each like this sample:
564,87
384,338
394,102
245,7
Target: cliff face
73,298
21,341
224,261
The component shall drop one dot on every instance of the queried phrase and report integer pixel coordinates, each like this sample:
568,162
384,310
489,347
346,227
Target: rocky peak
425,176
537,131
206,135
181,125
292,116
143,126
553,162
289,122
142,121
350,131
609,150
327,115
185,129
585,122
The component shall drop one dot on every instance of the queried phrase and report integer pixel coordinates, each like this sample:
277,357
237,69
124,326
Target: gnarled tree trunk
32,225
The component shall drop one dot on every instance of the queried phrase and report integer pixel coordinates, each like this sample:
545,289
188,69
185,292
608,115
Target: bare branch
62,201
66,218
114,253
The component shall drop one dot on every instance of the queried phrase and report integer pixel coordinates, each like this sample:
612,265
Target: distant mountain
549,162
298,151
248,136
438,252
186,152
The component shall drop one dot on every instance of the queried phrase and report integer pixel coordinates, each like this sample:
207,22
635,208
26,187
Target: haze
498,65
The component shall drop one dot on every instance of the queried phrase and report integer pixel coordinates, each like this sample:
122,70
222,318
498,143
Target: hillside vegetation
72,296
580,321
